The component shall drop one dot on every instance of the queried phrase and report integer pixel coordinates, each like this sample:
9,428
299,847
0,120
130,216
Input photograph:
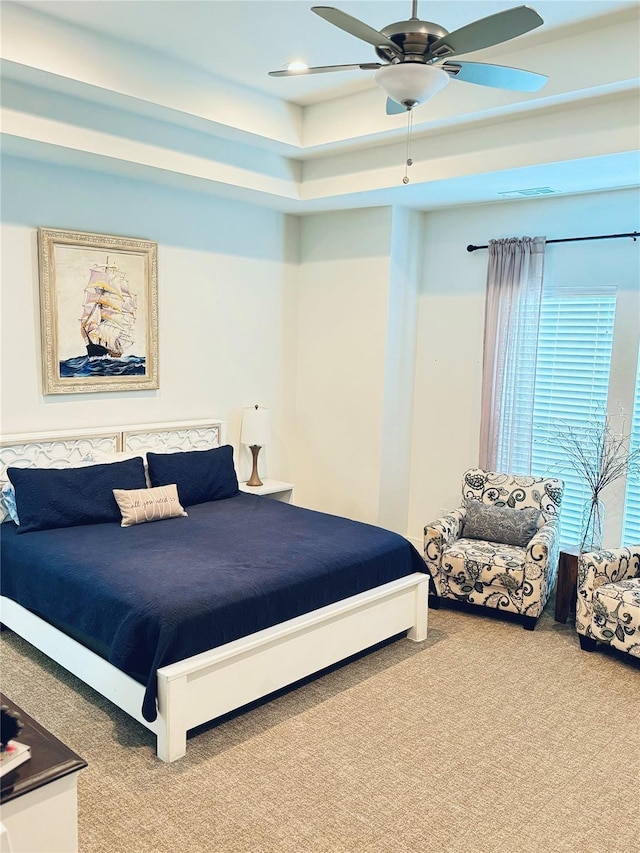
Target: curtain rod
632,234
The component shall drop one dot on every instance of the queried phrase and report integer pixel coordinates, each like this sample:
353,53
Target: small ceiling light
296,65
411,83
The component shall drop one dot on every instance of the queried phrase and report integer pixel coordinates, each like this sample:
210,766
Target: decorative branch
598,452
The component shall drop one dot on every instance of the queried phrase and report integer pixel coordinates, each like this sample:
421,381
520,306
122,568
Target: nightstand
275,489
567,585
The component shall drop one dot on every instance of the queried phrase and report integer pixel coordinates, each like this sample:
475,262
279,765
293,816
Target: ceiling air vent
534,191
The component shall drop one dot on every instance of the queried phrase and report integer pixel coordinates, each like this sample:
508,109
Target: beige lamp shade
256,426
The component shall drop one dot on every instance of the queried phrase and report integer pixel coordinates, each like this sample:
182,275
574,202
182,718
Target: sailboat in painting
107,326
109,312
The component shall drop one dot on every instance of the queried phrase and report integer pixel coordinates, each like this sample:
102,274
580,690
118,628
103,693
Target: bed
180,621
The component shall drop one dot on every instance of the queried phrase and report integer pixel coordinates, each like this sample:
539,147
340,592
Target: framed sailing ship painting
99,312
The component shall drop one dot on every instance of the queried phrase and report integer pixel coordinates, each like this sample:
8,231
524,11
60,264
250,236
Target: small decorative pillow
500,523
140,505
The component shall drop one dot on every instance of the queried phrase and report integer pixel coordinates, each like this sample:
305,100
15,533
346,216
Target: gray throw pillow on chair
500,523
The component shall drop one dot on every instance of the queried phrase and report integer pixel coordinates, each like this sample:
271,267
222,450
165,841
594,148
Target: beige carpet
484,739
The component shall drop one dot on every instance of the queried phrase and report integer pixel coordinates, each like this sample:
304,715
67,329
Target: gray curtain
512,319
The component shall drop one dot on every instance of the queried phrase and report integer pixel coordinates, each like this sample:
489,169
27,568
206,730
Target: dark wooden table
567,586
39,797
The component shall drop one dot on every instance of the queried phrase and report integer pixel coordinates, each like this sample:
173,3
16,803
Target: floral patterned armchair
608,603
514,566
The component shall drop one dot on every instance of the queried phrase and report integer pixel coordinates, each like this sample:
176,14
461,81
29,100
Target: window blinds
572,383
631,525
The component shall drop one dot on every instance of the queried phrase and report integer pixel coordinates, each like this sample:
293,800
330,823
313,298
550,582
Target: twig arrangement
600,454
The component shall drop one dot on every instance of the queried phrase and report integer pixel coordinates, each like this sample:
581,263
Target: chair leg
434,602
587,644
529,622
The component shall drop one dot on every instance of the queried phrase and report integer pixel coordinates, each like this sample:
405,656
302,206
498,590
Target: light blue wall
447,398
226,284
36,194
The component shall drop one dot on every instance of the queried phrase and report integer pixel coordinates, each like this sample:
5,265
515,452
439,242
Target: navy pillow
200,475
54,497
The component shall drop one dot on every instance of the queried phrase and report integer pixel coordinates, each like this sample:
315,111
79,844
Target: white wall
359,274
226,278
451,319
313,317
342,338
407,242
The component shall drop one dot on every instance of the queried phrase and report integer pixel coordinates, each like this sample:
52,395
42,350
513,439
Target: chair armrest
541,566
440,533
448,527
544,546
599,567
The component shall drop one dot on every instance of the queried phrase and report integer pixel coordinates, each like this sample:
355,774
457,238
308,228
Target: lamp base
254,480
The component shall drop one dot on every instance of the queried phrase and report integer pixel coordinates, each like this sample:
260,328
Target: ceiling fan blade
394,108
487,31
355,27
321,69
499,76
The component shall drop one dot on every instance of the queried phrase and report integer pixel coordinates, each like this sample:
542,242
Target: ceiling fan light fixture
296,65
411,83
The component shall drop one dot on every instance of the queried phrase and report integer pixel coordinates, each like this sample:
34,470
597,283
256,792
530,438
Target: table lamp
256,432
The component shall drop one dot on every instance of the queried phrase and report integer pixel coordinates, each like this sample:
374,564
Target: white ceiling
243,41
178,92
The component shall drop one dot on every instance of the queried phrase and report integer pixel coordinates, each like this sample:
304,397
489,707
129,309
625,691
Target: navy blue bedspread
157,593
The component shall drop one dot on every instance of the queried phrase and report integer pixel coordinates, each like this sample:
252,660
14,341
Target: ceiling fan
417,54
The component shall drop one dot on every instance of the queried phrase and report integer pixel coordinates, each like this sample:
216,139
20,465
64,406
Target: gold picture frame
98,311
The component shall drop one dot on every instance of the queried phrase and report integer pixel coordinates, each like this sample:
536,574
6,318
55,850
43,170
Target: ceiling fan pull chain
409,161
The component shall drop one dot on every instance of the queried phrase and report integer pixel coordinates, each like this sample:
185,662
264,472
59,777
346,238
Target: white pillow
8,502
101,458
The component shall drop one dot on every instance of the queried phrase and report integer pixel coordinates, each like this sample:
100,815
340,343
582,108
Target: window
572,384
631,526
585,363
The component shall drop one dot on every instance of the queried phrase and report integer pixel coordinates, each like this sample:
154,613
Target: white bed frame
207,685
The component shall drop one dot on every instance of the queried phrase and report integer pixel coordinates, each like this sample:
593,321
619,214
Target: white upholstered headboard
55,449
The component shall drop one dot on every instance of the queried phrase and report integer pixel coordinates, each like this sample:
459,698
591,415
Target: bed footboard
206,686
213,683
